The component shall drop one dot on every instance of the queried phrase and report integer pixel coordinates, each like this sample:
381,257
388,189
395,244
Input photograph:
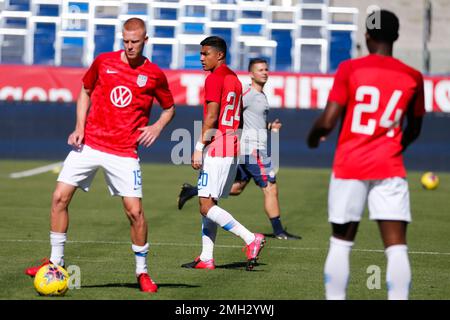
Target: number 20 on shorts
202,179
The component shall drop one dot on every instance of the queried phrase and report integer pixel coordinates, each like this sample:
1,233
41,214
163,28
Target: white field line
35,171
170,244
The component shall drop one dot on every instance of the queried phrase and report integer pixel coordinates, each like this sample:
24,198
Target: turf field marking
32,172
173,244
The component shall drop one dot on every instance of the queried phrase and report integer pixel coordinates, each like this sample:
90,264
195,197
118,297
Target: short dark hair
255,61
386,30
217,43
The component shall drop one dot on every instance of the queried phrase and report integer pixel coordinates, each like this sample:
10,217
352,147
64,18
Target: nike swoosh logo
111,71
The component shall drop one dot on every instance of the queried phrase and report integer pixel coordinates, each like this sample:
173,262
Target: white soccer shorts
122,174
387,199
216,177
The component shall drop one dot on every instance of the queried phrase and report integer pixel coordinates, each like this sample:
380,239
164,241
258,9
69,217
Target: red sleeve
419,103
339,91
91,76
213,88
163,93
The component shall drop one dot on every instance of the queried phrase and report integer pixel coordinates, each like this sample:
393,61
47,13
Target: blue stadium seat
137,8
311,32
191,61
311,56
315,1
12,49
312,14
164,32
20,23
167,14
82,7
225,34
104,39
73,41
251,29
162,55
72,51
223,15
341,45
195,11
193,28
284,41
48,10
18,5
252,14
44,38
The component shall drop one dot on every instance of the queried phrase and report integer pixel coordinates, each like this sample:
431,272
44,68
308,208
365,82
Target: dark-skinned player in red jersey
380,101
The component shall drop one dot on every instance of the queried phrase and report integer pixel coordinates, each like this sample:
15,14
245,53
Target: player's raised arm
324,124
77,136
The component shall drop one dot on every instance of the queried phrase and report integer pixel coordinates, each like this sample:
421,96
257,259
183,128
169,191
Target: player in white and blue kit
254,161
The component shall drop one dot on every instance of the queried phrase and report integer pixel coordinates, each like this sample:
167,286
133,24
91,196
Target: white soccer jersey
256,108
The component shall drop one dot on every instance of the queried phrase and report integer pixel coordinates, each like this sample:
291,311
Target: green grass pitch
99,240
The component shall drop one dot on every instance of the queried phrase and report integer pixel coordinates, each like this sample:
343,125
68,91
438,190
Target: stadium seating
294,35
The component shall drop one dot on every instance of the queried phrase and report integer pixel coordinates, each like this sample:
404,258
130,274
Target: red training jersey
223,86
121,100
376,92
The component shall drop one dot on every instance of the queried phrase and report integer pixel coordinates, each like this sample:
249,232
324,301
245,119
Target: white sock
337,269
209,232
140,254
398,273
57,242
227,222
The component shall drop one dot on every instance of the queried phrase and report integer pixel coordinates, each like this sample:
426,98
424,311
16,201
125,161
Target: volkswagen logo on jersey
141,80
121,96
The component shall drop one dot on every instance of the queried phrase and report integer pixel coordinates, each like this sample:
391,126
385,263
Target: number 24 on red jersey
390,118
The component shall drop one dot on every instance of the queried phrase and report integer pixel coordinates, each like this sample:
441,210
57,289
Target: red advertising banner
284,90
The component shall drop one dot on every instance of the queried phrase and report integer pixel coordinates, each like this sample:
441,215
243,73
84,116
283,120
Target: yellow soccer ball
51,280
57,169
429,180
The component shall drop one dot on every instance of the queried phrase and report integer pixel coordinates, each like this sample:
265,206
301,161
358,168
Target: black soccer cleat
187,192
287,236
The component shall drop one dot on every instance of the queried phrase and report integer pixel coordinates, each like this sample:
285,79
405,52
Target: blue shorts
257,166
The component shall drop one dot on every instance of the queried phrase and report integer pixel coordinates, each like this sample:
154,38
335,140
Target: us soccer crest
141,80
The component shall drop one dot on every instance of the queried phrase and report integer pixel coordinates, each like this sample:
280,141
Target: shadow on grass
272,236
239,265
136,286
269,235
